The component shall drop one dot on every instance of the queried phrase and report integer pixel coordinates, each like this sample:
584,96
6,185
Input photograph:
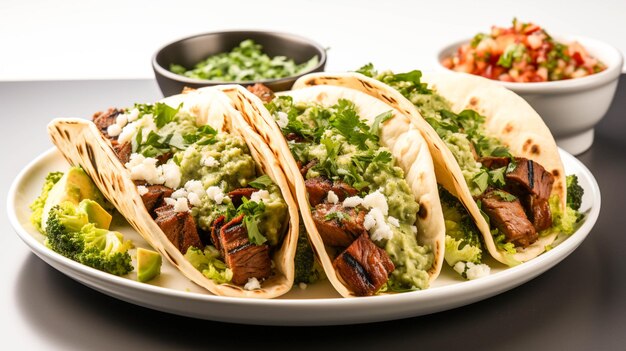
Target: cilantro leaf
496,177
347,122
252,212
367,70
504,195
481,180
501,151
261,182
163,113
380,119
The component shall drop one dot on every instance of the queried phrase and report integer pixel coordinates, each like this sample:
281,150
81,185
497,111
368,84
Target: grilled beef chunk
162,158
216,228
540,213
305,169
532,177
122,151
493,162
106,118
237,194
509,217
262,92
319,187
246,260
343,190
364,266
154,197
338,225
530,182
179,227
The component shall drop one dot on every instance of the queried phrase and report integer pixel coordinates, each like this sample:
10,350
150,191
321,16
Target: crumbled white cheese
283,119
475,271
145,168
381,230
171,175
215,193
194,199
252,284
195,186
114,130
142,190
393,221
376,200
132,115
472,270
131,129
352,201
179,193
121,120
302,286
169,201
181,205
332,197
210,161
257,196
414,229
369,222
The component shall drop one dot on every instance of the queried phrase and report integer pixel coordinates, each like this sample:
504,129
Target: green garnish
246,62
252,211
261,182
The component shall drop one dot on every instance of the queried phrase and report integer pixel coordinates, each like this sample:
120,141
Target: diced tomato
578,58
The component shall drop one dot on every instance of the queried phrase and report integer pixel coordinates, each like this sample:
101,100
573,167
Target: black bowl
191,50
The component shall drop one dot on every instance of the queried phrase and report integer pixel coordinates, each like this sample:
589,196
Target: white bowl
570,108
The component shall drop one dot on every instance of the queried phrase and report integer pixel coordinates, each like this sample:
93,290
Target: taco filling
360,201
202,188
512,193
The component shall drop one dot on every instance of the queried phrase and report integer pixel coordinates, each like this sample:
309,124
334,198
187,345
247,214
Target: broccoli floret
307,270
463,240
70,234
574,192
461,251
37,205
209,263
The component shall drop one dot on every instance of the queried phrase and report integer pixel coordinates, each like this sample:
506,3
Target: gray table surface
578,305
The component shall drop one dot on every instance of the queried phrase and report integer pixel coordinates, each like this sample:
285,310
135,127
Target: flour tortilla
398,134
508,117
82,144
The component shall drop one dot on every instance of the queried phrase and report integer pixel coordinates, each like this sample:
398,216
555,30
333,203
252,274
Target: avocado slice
96,214
148,264
74,186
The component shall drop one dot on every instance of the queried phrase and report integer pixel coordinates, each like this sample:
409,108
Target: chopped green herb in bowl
246,62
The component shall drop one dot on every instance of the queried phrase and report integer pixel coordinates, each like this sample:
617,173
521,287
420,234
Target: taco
198,184
495,160
364,181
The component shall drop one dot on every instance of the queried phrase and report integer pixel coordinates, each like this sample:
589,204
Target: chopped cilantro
380,119
261,182
504,195
347,122
164,113
252,212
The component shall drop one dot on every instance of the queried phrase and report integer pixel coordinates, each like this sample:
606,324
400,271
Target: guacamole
347,149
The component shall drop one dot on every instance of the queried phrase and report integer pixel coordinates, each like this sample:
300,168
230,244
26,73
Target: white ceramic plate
318,304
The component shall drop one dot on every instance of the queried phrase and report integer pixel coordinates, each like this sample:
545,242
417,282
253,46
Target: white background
84,39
